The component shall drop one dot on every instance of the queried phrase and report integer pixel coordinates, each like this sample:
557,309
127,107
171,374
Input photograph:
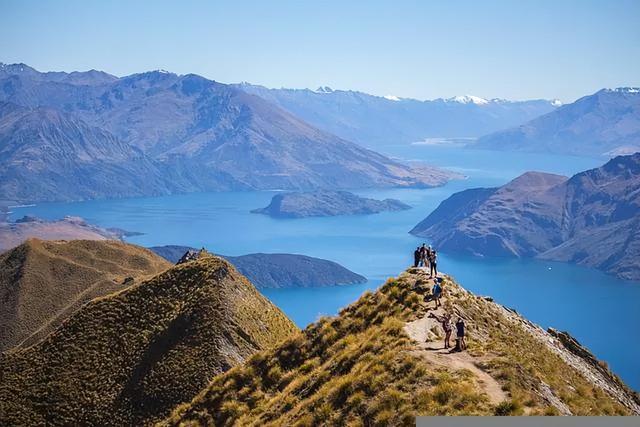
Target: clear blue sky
508,49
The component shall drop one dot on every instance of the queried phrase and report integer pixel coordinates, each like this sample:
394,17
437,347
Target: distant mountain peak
625,90
392,98
468,99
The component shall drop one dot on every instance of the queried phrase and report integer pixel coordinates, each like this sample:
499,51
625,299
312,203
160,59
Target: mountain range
88,135
606,123
592,218
375,121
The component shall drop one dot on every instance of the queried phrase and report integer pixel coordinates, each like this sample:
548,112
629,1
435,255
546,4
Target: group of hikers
426,256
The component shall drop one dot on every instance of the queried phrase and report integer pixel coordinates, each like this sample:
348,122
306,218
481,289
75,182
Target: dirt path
430,347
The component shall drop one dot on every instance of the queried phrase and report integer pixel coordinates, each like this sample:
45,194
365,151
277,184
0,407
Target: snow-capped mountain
468,99
382,120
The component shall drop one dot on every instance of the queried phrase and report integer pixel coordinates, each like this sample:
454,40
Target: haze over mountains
76,136
375,121
606,123
592,218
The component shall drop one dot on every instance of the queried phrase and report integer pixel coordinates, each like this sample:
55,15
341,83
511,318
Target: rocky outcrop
276,270
326,203
592,219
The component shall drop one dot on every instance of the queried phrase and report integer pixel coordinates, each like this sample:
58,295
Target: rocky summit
592,218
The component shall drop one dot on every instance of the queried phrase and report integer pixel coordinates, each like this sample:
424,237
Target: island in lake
326,203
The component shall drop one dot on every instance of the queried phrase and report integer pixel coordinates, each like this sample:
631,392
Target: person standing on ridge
460,343
423,256
433,262
445,321
416,257
437,293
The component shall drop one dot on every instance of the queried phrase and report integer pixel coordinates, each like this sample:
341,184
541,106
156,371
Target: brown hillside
130,357
381,362
44,282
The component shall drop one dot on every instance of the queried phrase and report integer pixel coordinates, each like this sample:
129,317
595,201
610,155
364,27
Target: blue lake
599,310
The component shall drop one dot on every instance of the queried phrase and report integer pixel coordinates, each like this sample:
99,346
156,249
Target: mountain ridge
606,123
592,218
128,358
375,121
380,361
197,134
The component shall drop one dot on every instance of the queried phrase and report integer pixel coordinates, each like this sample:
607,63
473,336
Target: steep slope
326,203
374,121
210,136
605,123
591,219
278,270
370,365
49,155
128,358
43,282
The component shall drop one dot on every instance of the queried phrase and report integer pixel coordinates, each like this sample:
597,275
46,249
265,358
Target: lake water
599,310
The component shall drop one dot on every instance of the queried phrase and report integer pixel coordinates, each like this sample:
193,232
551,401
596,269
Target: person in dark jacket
433,261
416,257
423,255
460,343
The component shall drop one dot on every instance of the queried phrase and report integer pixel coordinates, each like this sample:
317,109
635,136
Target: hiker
423,255
445,321
437,293
416,257
460,343
433,262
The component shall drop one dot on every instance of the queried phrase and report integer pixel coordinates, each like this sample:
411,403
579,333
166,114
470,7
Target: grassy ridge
360,368
44,282
130,357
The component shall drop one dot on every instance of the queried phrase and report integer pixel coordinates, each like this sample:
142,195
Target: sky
560,49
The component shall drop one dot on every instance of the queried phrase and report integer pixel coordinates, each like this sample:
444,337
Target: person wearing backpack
416,257
460,343
437,292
